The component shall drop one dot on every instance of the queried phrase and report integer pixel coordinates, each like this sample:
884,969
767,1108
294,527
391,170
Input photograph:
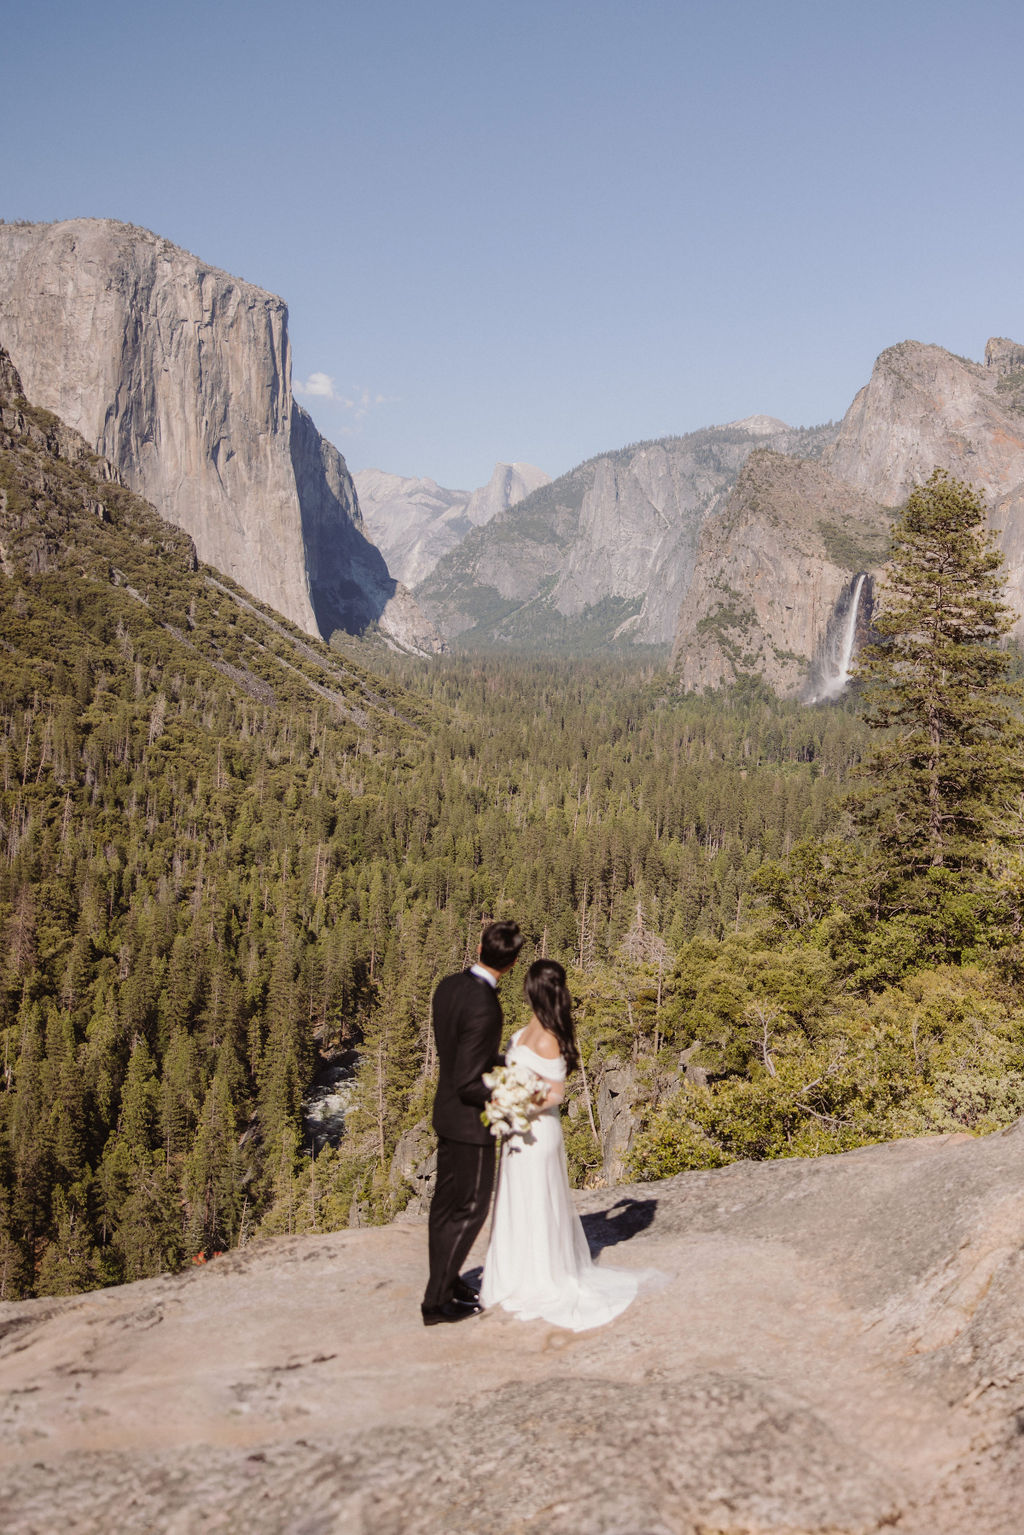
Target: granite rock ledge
830,1347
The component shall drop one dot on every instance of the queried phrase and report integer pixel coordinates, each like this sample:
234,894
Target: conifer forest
232,857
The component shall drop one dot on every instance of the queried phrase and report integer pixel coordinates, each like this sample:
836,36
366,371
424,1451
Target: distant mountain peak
415,522
760,426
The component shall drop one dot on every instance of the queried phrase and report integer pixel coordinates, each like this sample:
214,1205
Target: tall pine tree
937,789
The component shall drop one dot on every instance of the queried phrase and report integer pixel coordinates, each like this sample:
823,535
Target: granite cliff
776,573
180,375
779,566
829,1347
414,522
67,515
604,553
924,407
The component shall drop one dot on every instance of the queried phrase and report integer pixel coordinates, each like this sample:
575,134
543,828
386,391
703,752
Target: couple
538,1263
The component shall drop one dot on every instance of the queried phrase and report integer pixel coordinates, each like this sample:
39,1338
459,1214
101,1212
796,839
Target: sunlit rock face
771,572
924,407
180,374
606,552
777,566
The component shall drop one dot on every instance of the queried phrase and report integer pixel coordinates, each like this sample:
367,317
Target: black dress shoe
451,1311
465,1294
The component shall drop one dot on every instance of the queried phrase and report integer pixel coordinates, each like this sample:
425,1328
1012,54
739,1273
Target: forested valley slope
230,854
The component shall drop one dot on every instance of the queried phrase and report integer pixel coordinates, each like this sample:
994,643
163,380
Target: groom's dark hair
500,945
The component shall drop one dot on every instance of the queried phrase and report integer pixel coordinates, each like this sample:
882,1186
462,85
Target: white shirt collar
485,975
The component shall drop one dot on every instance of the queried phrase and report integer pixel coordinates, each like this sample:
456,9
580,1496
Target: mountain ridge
604,553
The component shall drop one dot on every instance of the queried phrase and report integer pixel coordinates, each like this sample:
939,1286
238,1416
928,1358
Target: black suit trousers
462,1196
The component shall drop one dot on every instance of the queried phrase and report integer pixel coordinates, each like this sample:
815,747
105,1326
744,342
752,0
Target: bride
538,1263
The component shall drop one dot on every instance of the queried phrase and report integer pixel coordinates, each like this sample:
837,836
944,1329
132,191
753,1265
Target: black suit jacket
467,1027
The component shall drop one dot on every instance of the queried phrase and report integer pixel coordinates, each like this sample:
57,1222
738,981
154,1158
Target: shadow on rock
625,1219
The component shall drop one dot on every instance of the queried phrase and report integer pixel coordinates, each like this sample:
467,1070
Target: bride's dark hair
548,995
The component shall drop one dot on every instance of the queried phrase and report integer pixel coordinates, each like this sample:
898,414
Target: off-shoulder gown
538,1264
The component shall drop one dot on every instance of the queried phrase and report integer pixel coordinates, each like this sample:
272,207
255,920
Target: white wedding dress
538,1264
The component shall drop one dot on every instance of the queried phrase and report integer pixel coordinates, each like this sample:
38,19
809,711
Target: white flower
514,1091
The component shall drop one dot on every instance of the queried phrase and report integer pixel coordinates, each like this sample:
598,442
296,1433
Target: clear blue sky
509,229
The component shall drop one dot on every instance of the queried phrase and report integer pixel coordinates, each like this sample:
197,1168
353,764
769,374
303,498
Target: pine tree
937,789
214,1174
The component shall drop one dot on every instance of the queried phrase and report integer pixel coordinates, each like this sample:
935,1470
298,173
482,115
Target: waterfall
835,666
850,637
329,1101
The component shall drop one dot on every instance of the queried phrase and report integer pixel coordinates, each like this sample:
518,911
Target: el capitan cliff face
180,374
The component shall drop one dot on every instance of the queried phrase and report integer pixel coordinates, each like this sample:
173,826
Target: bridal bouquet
514,1091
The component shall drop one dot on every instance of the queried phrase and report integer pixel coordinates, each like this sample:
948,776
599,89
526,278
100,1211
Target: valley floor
832,1345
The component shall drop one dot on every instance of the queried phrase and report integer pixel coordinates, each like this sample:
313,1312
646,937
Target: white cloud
362,401
318,384
356,404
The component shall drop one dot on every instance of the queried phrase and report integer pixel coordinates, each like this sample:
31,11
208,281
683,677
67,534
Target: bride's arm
555,1094
546,1046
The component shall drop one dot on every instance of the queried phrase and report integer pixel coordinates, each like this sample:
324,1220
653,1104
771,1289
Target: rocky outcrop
772,571
1005,357
180,374
924,407
775,585
606,552
619,1098
826,1347
43,430
414,1166
414,522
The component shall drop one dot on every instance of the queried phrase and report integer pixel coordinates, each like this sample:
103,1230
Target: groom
467,1028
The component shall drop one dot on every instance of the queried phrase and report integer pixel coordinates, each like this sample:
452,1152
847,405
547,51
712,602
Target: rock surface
830,1347
180,374
607,551
771,571
618,1101
44,430
924,407
775,564
414,522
